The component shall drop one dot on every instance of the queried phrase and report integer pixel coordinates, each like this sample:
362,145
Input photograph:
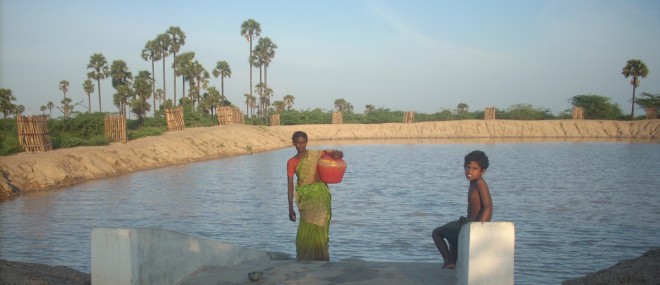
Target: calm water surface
577,207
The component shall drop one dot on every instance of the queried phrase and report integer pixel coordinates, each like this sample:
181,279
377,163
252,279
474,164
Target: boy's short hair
479,157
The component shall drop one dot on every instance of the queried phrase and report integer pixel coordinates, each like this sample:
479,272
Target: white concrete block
112,262
486,254
159,256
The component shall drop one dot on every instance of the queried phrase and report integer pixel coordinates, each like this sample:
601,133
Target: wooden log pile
408,117
114,127
33,134
578,113
337,118
489,113
174,118
651,113
229,115
275,120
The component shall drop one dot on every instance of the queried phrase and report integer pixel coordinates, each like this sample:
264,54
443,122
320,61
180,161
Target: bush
146,132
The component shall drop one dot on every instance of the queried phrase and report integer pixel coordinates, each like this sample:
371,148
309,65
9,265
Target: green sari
313,200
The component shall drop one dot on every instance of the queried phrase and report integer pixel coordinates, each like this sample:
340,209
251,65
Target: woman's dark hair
299,134
479,157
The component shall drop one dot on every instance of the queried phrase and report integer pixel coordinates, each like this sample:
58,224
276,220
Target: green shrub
146,132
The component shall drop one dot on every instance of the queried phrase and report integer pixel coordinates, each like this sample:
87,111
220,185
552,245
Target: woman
312,198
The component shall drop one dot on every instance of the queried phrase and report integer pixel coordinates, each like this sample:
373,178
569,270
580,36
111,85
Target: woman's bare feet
449,266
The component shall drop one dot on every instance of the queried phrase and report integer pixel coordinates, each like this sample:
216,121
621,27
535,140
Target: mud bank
25,172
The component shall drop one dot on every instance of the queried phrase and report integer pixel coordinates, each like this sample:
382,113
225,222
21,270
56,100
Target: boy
480,208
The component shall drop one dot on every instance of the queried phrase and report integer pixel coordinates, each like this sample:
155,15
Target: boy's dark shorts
451,230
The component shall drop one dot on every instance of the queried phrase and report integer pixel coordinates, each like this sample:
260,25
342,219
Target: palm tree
182,66
99,67
462,107
50,107
267,53
121,98
64,87
43,109
198,77
163,45
264,53
288,101
259,88
247,104
160,95
88,86
177,39
142,86
341,105
250,29
153,54
253,104
635,68
222,69
67,108
368,109
278,105
19,110
6,106
214,99
121,81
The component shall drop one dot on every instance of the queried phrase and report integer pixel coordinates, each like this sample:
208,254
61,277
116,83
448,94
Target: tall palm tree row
634,68
170,43
177,40
99,66
250,29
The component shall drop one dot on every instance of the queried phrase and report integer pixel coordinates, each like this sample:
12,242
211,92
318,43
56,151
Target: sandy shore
25,172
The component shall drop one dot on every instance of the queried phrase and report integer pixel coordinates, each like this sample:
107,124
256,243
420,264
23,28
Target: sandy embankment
64,167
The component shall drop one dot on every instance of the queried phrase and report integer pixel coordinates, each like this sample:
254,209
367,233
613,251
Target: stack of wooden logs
33,133
174,118
489,113
337,118
115,128
408,117
229,115
578,113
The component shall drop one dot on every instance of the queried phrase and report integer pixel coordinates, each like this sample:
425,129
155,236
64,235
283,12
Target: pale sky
415,55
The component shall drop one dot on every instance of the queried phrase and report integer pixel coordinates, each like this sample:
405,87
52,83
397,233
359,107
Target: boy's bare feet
449,266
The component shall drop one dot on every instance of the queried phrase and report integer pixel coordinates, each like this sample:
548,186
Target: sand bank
64,167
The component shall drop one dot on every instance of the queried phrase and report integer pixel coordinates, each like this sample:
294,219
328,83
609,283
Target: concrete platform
324,272
158,256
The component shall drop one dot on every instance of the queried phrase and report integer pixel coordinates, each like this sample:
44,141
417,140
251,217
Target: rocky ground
23,273
643,270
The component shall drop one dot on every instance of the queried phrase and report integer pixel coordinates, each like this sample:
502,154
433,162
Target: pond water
578,207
